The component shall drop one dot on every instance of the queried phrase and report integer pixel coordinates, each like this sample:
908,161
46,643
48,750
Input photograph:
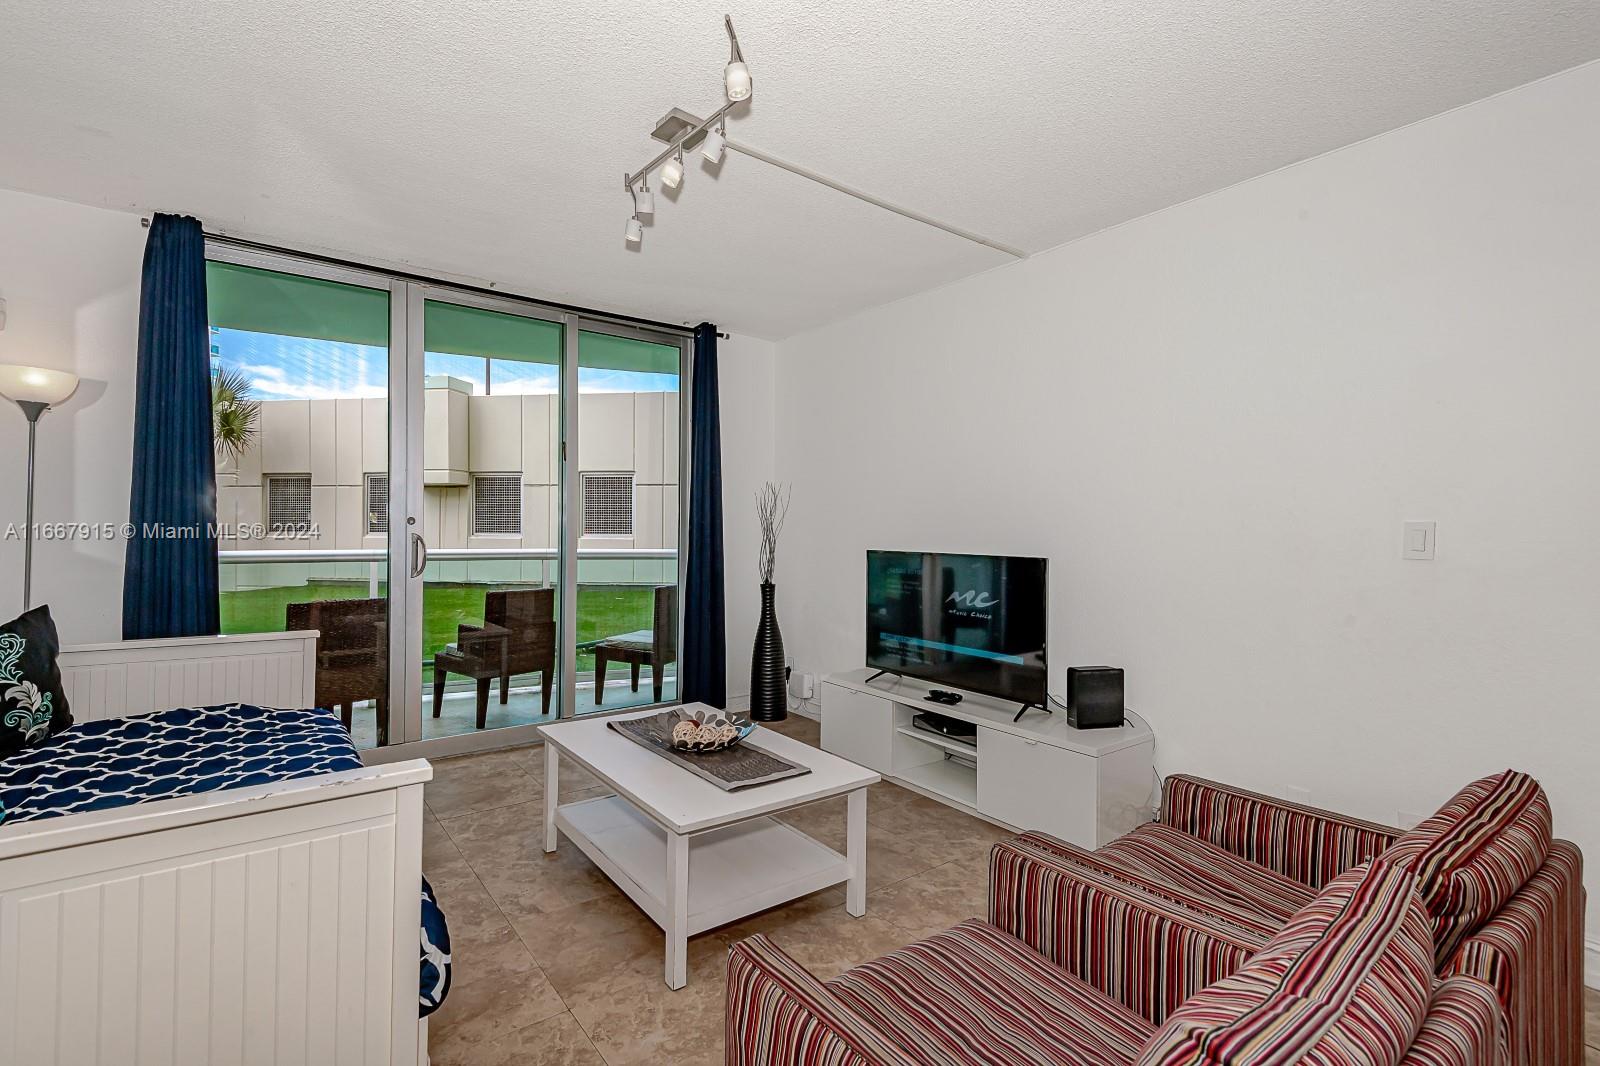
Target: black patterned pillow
33,705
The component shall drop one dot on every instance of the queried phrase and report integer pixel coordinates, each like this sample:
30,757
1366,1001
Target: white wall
745,371
1215,419
70,279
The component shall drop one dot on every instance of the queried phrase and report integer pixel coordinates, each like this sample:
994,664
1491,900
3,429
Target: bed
209,885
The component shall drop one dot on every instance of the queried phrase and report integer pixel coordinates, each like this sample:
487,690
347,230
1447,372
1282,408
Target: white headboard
138,676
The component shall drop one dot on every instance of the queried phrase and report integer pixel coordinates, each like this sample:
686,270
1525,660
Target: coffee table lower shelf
734,871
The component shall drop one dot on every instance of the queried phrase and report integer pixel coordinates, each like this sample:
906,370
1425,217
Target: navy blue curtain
169,587
703,674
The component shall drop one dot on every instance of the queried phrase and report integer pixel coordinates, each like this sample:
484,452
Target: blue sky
299,368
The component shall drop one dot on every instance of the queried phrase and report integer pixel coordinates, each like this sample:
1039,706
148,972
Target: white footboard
266,926
137,676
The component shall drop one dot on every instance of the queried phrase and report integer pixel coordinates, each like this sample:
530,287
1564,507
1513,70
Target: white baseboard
1591,962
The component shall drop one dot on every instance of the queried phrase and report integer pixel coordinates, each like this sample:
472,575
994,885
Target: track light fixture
709,133
683,131
672,171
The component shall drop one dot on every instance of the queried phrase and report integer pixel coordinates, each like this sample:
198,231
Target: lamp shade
672,172
711,147
736,80
36,384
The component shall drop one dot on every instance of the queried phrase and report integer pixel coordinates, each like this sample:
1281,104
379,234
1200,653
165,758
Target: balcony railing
376,558
257,583
347,555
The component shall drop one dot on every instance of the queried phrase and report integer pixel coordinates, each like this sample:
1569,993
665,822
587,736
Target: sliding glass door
476,500
304,367
626,520
491,513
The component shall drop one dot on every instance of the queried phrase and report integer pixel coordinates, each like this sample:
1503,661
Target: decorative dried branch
772,507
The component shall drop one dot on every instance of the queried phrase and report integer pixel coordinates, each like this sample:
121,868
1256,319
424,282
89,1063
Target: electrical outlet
801,685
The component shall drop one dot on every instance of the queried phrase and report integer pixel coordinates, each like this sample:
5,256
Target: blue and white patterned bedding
118,761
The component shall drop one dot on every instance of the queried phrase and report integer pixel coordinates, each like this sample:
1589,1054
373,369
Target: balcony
615,597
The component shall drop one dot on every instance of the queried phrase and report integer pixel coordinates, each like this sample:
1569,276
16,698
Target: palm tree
233,413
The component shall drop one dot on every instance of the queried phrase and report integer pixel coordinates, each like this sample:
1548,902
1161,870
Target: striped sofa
1506,901
1348,980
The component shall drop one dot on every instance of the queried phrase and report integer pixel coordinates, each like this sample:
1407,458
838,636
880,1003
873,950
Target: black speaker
1094,696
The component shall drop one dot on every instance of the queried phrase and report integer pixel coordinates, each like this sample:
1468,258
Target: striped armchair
1505,899
1026,988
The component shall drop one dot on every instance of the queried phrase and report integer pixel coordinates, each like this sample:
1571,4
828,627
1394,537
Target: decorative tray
729,764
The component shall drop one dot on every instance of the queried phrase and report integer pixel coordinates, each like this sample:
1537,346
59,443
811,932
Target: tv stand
1024,710
1085,786
881,673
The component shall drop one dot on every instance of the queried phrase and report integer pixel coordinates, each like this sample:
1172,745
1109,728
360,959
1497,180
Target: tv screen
975,622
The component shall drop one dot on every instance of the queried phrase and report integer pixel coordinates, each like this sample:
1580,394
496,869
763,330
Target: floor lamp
35,390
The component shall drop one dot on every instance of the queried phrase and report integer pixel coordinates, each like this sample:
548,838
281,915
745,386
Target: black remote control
939,695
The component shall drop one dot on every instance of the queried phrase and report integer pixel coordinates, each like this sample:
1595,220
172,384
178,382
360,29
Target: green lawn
603,610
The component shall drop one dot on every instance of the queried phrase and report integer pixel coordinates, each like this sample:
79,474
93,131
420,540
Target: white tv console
1086,786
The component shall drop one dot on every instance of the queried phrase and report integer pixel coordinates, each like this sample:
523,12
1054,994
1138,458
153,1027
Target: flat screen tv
975,622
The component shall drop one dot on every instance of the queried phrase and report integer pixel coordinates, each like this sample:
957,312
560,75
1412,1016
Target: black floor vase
769,693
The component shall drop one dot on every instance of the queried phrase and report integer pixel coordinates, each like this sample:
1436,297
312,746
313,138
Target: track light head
736,81
644,201
635,231
672,171
711,147
735,76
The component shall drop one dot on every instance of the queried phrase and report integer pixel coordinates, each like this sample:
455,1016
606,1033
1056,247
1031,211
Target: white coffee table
692,856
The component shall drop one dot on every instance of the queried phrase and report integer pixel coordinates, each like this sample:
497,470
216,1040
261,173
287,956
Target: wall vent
607,505
497,505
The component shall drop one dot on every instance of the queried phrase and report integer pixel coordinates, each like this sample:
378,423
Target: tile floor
1591,1026
556,965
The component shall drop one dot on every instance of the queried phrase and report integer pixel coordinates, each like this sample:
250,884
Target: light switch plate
1419,540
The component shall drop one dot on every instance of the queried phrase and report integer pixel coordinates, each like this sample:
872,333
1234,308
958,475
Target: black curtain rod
588,312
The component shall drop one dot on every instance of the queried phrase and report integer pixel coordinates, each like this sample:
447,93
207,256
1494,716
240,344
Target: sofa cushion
1169,863
1346,982
1475,854
975,995
1309,845
1195,868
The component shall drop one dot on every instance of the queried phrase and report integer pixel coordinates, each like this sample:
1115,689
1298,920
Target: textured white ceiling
488,139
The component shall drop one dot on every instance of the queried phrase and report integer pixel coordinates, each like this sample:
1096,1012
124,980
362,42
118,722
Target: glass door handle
419,555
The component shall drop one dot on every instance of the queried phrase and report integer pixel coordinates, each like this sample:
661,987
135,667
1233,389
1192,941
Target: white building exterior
315,465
